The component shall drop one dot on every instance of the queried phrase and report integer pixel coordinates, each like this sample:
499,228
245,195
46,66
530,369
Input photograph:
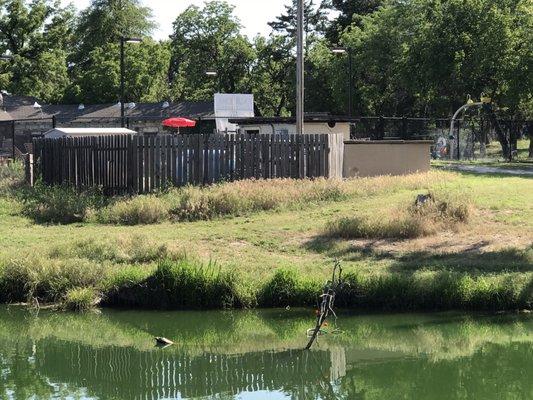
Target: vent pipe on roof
81,107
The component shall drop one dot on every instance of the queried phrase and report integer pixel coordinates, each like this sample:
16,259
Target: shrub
11,177
181,284
140,210
286,288
440,212
59,204
46,280
80,299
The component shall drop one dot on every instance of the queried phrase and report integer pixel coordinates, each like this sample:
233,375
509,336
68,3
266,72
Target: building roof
20,107
308,118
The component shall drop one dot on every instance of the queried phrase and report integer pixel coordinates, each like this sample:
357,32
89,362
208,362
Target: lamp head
339,50
131,40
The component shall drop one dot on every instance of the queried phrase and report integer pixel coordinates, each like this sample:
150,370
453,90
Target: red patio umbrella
179,123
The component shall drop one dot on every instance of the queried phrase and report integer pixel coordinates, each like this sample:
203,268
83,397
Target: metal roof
20,108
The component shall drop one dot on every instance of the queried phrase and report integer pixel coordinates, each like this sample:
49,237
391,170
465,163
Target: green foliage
209,38
286,288
45,280
80,299
104,22
58,204
180,284
135,249
38,34
146,76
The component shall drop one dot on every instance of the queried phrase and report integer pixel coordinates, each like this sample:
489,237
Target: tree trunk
530,134
502,137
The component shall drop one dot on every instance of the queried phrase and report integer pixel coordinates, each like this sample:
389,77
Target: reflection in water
226,355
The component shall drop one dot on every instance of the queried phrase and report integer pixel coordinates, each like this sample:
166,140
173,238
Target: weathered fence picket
142,164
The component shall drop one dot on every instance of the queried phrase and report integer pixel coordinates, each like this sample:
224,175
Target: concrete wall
309,128
365,158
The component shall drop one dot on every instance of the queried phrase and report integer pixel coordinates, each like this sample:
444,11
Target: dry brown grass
250,196
443,211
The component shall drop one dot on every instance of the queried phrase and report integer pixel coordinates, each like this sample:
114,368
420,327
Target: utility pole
300,90
122,79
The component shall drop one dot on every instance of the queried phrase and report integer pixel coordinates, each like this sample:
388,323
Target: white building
313,124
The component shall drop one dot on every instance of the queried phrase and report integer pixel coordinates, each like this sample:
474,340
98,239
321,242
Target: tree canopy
410,57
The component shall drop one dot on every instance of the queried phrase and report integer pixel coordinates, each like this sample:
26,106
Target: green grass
268,249
495,159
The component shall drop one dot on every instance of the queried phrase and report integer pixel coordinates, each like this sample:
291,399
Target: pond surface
257,355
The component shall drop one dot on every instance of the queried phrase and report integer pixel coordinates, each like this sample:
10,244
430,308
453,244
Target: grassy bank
272,244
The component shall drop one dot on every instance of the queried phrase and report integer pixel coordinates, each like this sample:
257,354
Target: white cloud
253,14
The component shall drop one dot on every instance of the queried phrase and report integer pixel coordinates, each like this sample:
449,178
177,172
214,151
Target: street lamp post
123,41
300,69
349,51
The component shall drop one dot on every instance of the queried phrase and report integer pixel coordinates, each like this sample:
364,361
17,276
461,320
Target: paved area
479,169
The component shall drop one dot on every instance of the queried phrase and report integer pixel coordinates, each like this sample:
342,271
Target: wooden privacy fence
141,164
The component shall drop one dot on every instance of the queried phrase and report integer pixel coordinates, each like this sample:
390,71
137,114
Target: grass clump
80,299
436,290
287,288
60,204
11,177
440,212
140,210
133,249
46,280
179,284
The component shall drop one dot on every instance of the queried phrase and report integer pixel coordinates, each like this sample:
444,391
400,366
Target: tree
425,56
37,35
274,75
106,21
209,38
146,77
350,12
314,17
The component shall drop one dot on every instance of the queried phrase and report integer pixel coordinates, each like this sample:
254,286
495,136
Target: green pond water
257,355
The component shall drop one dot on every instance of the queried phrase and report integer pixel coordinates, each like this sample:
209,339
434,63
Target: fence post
13,139
458,140
381,128
28,169
404,128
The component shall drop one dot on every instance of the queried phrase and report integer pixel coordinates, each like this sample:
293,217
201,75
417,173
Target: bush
11,177
286,288
80,299
442,290
440,212
140,210
180,284
59,204
46,280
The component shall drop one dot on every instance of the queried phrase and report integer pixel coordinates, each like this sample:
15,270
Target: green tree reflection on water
254,354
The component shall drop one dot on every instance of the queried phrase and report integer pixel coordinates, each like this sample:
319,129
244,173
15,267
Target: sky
254,14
